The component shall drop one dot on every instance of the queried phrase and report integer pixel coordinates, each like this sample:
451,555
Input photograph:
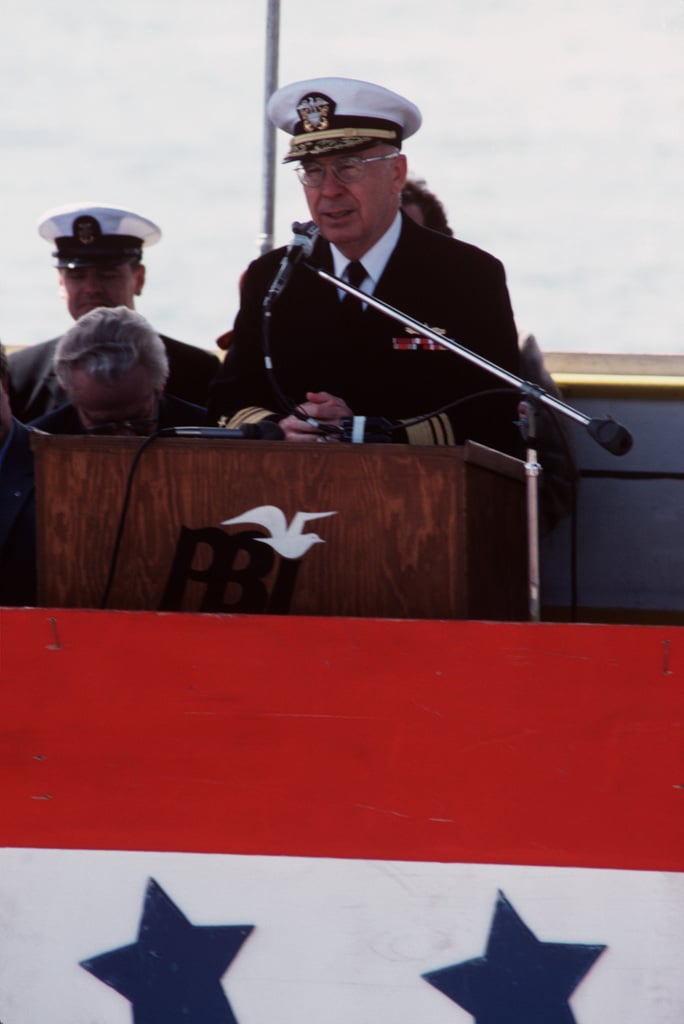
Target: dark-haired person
423,206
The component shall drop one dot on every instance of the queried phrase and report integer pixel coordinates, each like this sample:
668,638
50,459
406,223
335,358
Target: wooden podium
386,531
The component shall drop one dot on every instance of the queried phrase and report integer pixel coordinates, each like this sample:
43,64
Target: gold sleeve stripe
435,431
251,414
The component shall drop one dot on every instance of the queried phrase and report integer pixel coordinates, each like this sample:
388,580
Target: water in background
552,133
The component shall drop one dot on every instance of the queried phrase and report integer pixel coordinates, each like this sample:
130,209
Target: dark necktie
355,274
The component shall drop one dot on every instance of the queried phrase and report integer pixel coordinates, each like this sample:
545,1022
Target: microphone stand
606,431
533,469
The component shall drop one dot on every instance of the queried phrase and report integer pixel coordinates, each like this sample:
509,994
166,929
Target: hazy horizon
552,135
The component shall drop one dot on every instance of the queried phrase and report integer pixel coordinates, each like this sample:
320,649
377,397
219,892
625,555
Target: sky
552,133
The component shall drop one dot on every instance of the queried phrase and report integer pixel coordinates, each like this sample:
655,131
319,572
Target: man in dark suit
99,263
17,505
329,359
113,367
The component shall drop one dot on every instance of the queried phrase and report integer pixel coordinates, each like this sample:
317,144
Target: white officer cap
334,115
94,234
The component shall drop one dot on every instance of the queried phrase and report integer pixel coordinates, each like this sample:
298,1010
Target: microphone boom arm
606,431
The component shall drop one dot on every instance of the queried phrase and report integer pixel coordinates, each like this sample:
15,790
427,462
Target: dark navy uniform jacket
318,343
17,521
173,412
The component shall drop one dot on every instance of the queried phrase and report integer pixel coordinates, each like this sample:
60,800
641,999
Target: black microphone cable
305,236
300,248
122,518
250,431
384,426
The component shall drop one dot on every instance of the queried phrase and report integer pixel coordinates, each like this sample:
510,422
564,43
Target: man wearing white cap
330,358
98,251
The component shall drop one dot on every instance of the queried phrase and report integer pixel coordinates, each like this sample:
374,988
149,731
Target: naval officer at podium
322,357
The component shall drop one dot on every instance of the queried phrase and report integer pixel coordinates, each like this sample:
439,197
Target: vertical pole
527,415
265,238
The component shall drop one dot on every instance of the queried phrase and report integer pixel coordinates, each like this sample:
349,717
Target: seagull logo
288,541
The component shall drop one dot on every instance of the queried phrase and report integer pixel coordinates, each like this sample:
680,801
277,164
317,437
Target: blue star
519,980
171,975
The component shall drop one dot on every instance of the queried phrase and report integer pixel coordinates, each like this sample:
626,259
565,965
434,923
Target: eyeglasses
346,169
140,428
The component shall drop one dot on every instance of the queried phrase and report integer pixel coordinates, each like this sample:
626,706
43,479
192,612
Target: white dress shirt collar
375,260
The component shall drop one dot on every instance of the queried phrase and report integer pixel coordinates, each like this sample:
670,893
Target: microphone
300,248
264,431
610,434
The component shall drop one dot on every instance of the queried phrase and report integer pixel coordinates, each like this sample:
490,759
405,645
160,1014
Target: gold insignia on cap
86,230
314,112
